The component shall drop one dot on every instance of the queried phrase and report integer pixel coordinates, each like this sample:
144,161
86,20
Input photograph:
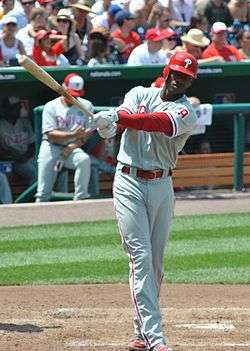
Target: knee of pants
143,260
83,161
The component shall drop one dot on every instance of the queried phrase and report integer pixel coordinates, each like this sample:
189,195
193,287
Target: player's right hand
79,132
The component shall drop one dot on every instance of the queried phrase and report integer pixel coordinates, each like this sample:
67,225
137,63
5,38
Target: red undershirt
149,122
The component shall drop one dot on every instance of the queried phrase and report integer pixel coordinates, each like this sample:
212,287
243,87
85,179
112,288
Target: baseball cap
113,9
123,15
74,84
9,19
42,33
155,34
218,27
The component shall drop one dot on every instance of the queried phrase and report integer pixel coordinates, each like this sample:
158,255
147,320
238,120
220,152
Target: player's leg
5,191
132,215
27,170
47,158
161,214
79,160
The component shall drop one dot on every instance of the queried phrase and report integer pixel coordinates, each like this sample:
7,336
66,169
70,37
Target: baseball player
65,129
158,122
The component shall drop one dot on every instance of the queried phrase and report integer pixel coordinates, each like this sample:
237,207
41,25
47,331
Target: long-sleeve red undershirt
149,122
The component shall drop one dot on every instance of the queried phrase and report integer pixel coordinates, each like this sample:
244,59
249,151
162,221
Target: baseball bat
44,77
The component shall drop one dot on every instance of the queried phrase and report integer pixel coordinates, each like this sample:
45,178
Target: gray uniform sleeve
183,119
49,121
132,100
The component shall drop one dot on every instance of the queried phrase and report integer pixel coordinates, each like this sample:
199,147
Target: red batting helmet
182,62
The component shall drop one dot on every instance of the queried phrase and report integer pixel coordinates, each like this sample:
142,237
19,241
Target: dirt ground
99,317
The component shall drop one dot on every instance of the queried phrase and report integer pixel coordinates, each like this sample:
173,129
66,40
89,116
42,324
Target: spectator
17,140
45,53
114,46
22,13
181,12
6,7
141,21
38,21
66,27
219,46
81,12
240,10
150,52
244,40
199,22
62,140
194,42
217,11
10,46
107,18
98,52
100,6
5,191
127,37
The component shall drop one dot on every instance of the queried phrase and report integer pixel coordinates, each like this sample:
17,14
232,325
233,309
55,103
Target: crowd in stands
108,32
133,32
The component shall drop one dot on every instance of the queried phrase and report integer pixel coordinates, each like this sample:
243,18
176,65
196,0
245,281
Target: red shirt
228,52
131,41
47,59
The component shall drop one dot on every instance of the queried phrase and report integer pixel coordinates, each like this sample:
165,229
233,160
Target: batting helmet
182,62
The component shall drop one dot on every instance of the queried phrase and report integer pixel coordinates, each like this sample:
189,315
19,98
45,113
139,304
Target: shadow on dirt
25,328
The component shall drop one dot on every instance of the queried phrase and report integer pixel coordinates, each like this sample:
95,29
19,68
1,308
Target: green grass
202,249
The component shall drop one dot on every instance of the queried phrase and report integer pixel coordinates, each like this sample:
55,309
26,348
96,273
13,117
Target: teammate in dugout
65,129
157,124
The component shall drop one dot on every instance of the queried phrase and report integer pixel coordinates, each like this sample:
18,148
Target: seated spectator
125,34
5,191
217,11
17,140
21,12
98,53
62,140
141,21
45,53
219,46
66,28
10,46
240,10
114,46
150,51
107,18
194,42
181,12
244,40
6,7
100,6
38,21
81,11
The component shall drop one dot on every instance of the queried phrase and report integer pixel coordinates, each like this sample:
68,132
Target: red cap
74,84
42,33
182,62
155,34
43,2
218,27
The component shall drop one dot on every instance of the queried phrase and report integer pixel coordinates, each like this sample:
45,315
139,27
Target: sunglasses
63,20
28,3
172,38
11,24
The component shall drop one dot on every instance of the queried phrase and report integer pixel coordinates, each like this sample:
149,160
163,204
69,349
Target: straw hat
196,37
82,5
65,13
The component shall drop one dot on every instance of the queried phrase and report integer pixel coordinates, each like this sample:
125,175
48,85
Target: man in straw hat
81,10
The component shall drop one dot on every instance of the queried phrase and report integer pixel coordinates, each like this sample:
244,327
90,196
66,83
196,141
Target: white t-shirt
26,39
141,56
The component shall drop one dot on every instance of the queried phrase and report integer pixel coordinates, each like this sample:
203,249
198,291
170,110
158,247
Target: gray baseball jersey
155,150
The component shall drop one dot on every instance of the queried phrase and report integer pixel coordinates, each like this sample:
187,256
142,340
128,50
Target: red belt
141,173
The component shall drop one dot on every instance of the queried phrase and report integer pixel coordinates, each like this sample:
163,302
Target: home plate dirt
99,317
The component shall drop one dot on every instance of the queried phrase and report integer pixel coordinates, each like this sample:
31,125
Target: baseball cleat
161,347
137,345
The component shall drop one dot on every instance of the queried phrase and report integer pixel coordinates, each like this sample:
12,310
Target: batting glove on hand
108,132
104,118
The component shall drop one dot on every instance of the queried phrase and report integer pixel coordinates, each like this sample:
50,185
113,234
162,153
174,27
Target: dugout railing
235,165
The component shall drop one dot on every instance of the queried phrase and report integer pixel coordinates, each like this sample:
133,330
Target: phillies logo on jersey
183,112
188,62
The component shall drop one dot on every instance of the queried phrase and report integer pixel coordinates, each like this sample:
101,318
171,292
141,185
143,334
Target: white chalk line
78,344
206,326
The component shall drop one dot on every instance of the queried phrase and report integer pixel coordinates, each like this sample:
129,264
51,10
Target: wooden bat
44,77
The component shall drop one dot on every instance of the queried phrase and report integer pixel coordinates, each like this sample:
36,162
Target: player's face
177,82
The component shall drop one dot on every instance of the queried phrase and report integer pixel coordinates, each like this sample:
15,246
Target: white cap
9,19
74,84
218,27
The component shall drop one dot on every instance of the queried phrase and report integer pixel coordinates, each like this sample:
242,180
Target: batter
158,122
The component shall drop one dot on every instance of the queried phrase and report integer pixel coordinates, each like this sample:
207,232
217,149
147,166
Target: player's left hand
104,118
68,149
